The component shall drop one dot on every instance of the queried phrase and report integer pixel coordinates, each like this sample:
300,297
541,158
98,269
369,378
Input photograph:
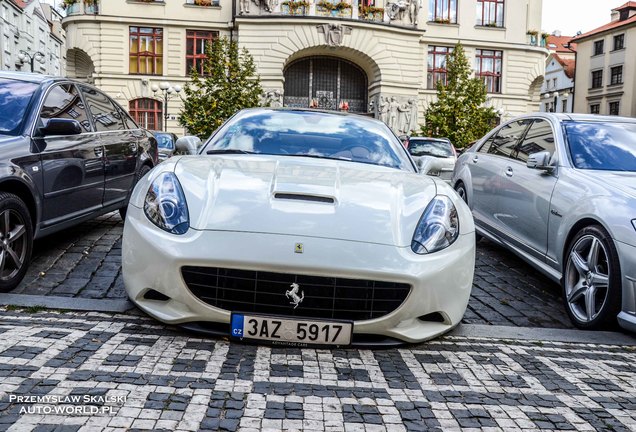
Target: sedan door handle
475,159
99,151
509,172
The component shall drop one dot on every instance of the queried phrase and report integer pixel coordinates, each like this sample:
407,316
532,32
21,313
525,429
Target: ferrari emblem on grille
299,248
293,295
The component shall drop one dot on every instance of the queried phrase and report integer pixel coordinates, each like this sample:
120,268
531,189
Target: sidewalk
139,374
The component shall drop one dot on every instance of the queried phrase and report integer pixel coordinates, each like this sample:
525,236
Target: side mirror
60,126
540,160
188,144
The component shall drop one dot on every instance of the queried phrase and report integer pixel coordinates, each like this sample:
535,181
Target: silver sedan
559,190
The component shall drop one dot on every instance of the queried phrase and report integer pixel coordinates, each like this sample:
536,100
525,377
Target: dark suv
67,154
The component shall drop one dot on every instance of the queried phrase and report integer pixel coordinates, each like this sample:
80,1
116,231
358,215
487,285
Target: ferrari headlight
438,227
165,204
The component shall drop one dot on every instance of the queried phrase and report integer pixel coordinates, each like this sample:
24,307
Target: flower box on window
294,7
371,13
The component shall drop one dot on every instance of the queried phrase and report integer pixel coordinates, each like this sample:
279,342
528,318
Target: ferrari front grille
294,295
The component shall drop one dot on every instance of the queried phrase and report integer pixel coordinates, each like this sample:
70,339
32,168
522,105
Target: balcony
81,7
385,11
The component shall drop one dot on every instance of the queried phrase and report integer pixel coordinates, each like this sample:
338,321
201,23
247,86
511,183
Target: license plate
291,331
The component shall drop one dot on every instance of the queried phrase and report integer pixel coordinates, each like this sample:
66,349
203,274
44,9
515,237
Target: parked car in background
300,227
559,190
422,149
166,142
67,153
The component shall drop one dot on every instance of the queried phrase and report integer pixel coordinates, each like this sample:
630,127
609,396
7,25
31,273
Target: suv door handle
475,159
509,171
99,151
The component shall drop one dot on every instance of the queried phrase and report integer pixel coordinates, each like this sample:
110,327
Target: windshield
311,134
602,146
14,100
164,140
424,147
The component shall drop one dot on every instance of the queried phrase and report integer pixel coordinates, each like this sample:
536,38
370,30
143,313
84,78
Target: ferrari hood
302,196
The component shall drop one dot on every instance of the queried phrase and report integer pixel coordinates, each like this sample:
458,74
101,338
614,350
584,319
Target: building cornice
140,21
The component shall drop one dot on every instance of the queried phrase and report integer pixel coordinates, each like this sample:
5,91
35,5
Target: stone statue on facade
394,113
383,110
244,7
268,5
398,10
334,33
272,98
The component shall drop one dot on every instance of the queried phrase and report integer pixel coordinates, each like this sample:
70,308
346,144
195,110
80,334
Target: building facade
606,66
367,56
32,37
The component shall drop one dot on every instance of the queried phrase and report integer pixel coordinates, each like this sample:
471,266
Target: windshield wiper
228,151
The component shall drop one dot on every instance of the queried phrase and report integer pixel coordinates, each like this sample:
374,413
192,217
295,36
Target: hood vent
304,197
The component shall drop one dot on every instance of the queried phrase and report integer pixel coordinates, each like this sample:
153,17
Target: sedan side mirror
540,160
188,144
60,126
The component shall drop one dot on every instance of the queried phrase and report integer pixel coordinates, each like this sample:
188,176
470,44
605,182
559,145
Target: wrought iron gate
325,83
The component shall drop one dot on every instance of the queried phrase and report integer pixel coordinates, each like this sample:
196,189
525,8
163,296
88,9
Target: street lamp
168,93
23,55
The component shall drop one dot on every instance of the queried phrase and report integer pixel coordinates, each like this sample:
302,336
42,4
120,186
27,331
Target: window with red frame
490,13
146,51
488,67
147,113
437,57
196,40
443,11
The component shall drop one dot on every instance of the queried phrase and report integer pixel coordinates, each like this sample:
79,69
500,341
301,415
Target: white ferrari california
300,227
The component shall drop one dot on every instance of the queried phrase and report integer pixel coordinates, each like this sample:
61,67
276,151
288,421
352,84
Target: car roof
29,77
579,117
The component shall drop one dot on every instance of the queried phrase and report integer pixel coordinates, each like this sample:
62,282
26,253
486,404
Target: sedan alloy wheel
591,277
15,240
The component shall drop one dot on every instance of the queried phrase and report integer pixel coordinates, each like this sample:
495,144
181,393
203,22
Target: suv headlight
165,204
438,227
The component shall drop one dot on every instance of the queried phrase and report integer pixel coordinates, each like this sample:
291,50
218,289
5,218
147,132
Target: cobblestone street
160,378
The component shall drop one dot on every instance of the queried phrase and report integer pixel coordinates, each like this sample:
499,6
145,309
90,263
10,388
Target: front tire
16,240
145,169
591,281
460,188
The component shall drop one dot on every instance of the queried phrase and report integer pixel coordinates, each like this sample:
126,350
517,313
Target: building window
616,75
443,11
619,42
488,66
196,41
564,105
595,108
614,107
490,13
598,47
146,51
597,79
147,113
437,57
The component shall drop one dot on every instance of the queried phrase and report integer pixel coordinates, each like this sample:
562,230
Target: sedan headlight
438,227
165,204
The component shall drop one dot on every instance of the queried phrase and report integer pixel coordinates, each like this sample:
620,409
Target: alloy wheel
13,244
587,278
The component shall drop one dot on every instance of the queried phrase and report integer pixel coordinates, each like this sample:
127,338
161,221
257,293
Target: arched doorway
326,83
147,113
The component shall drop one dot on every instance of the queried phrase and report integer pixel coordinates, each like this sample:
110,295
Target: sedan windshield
14,99
602,146
424,147
310,134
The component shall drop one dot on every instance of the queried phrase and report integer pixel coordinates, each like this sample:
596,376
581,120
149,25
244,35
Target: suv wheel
16,240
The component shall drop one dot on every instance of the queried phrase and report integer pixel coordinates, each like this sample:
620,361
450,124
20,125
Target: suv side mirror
540,160
188,144
60,126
